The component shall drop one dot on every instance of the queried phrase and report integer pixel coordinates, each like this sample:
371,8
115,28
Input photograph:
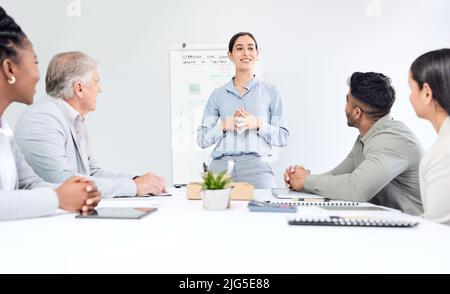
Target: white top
8,170
435,178
22,193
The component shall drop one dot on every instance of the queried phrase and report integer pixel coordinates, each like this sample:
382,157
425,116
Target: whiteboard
195,71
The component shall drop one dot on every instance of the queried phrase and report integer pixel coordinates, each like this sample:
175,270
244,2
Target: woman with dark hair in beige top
429,80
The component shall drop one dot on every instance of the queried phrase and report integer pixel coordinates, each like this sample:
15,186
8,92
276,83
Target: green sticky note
194,89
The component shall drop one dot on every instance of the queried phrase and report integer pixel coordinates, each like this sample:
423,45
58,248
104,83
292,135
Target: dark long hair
433,68
11,37
236,36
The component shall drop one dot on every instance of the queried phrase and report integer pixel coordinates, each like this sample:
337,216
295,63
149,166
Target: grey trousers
252,169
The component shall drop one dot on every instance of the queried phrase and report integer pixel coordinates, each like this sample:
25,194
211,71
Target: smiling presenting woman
251,119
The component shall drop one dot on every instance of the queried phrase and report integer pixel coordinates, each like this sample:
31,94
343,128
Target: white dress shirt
76,124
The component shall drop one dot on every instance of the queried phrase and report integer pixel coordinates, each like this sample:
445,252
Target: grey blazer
46,139
33,196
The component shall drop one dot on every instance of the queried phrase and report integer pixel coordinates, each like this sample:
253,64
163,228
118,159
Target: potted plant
216,191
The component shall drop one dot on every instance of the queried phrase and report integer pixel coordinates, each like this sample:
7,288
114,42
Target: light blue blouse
262,100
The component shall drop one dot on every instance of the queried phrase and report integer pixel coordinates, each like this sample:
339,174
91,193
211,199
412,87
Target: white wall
309,49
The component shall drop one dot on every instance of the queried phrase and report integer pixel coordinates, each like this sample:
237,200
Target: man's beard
350,121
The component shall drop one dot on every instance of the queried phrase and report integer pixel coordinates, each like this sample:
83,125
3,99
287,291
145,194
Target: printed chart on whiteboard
194,73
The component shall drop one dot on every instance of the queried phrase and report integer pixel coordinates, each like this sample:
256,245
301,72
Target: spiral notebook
290,197
321,203
352,222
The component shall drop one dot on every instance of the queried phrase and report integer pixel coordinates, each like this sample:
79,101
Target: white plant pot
215,199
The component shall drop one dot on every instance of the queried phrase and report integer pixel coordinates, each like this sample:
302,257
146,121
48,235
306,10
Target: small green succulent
215,182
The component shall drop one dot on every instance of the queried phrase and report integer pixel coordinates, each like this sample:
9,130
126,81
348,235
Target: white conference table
181,237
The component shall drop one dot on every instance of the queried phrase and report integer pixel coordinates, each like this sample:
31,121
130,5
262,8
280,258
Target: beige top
435,178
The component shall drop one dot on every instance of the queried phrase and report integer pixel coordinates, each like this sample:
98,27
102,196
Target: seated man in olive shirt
383,166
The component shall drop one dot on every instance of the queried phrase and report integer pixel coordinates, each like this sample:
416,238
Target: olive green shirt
382,168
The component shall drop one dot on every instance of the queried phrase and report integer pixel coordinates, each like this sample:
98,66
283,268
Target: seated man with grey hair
52,135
